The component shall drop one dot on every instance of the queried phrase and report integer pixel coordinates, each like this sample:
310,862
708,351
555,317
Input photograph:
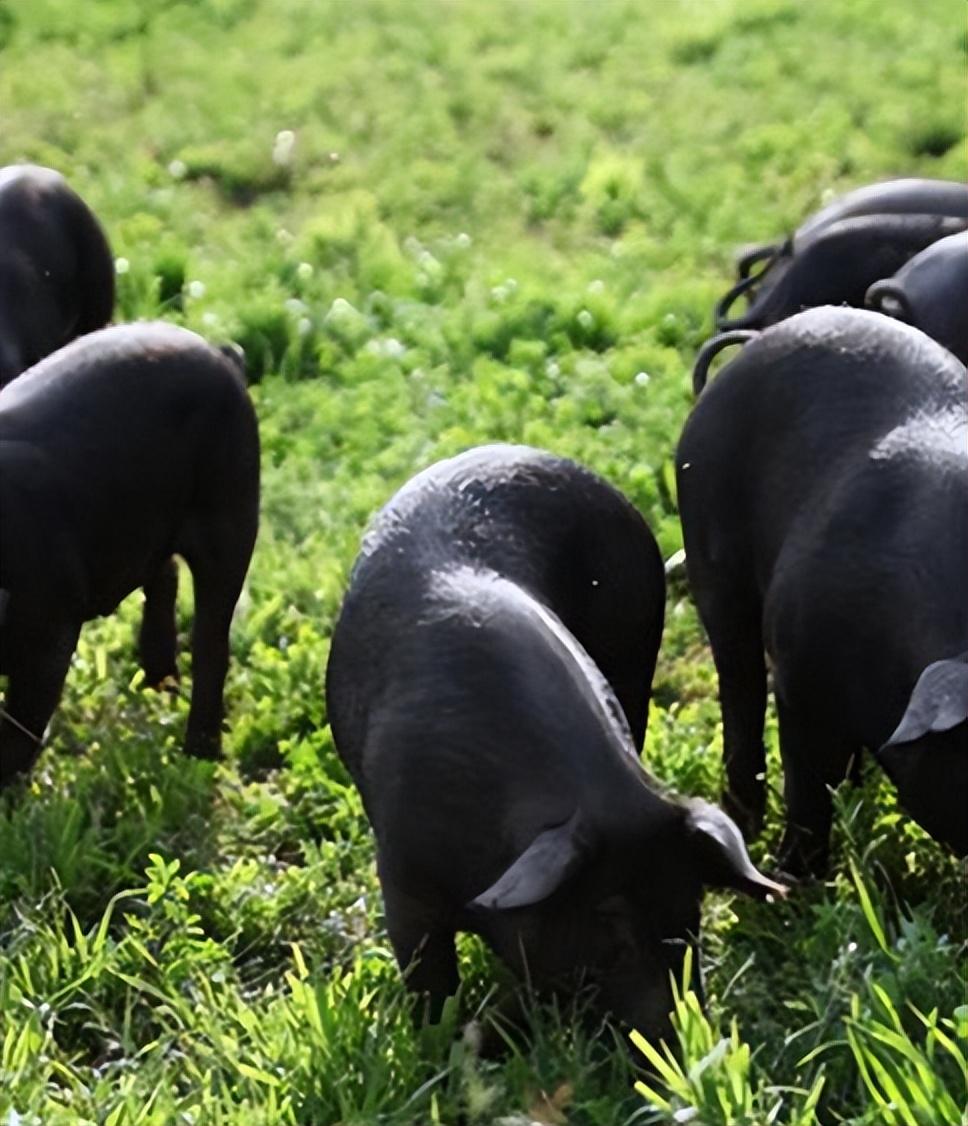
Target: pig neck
566,698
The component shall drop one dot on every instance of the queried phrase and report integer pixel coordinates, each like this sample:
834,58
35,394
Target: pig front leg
425,951
36,658
733,626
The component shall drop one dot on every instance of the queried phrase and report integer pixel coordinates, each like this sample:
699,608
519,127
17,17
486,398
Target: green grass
432,225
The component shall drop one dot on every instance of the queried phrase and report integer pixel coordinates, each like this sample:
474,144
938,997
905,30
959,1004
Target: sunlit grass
433,225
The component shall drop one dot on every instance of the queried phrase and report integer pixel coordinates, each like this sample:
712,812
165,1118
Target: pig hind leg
815,760
157,640
734,629
218,571
217,546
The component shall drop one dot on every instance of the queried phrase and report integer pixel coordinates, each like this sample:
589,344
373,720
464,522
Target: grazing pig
56,269
837,266
823,489
126,447
831,257
931,293
494,759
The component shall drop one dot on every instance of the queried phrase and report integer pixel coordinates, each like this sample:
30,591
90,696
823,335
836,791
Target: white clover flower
499,293
596,286
121,265
196,289
675,561
511,284
177,169
283,146
552,369
210,319
463,240
585,319
389,347
345,318
642,378
304,271
304,326
284,236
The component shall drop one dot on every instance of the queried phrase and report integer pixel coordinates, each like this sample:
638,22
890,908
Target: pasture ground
432,225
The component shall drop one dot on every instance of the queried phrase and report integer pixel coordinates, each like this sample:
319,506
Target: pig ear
939,701
721,854
540,870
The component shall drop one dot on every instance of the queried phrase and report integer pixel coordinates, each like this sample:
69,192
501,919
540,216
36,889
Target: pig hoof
13,782
163,682
802,863
204,749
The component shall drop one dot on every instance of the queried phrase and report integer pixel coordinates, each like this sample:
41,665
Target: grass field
432,225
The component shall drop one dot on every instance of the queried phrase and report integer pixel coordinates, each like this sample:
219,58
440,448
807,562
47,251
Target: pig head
927,755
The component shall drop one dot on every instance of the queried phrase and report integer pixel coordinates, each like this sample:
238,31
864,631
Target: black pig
56,269
493,757
931,293
122,449
823,489
833,256
911,196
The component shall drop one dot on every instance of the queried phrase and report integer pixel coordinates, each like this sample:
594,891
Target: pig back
909,196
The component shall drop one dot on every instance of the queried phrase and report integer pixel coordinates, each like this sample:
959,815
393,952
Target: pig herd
490,671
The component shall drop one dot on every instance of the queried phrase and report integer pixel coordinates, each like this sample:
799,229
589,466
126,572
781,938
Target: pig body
56,268
494,759
823,488
119,451
835,254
